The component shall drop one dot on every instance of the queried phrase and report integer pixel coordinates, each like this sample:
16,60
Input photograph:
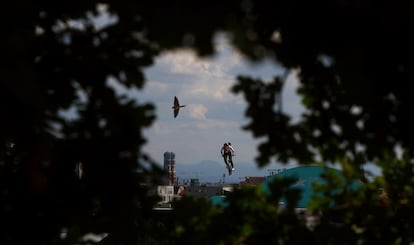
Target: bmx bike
229,163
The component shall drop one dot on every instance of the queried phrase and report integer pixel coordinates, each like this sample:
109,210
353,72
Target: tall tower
169,166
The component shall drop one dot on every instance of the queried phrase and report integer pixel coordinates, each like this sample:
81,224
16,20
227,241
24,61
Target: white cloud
154,86
198,111
160,128
204,78
184,62
215,125
291,101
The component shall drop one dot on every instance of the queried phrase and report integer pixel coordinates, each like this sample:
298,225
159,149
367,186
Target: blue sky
213,115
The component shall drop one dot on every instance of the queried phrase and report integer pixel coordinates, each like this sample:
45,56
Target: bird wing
176,111
176,103
176,106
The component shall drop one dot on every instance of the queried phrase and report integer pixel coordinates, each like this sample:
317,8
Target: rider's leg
225,160
231,161
227,164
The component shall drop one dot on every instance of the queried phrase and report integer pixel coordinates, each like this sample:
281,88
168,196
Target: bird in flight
176,106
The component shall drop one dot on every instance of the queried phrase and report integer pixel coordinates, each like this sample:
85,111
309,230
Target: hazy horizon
212,171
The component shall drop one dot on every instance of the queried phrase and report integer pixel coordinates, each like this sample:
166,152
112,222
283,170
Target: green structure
305,176
219,201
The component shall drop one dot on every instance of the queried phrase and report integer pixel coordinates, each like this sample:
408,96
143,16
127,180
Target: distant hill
208,171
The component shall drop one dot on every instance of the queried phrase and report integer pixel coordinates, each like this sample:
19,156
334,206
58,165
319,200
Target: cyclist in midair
227,151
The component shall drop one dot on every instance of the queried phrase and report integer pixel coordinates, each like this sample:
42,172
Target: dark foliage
354,61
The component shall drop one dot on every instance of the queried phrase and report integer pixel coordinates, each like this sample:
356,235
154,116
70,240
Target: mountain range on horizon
208,171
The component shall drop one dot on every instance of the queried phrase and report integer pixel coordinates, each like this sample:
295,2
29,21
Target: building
207,191
169,167
252,181
166,192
